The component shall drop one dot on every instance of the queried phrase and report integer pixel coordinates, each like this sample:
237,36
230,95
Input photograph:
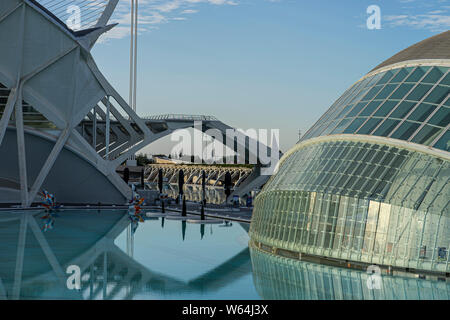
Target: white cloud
432,22
155,12
189,11
432,15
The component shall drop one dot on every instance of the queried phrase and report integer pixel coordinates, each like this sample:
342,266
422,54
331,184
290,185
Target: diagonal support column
20,255
108,128
47,250
7,112
48,164
21,156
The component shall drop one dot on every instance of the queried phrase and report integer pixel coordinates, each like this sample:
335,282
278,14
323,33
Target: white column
48,252
11,102
94,130
108,124
136,16
105,274
130,97
48,164
20,256
21,152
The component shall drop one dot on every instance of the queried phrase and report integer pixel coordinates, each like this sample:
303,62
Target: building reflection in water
214,195
277,277
33,263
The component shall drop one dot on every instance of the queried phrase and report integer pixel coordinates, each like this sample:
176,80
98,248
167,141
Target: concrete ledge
206,221
159,214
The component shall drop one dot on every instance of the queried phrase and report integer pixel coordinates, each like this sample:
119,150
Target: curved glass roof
90,11
359,201
405,103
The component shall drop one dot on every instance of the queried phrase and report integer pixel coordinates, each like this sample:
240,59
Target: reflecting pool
168,259
193,192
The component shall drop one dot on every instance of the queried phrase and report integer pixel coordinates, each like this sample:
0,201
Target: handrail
180,117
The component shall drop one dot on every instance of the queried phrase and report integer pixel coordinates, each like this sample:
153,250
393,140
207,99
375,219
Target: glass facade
410,103
280,278
371,200
359,201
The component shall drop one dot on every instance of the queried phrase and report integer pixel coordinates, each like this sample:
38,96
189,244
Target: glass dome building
369,182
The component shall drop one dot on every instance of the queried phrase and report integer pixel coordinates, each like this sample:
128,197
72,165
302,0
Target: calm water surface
168,259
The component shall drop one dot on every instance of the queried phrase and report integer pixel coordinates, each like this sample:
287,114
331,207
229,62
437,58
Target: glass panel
447,102
433,76
370,108
426,135
372,93
444,142
356,109
422,112
419,92
437,95
402,91
382,228
385,108
385,77
359,95
405,130
402,109
446,80
355,125
371,226
401,75
417,74
386,127
344,111
329,127
386,91
369,126
341,126
441,117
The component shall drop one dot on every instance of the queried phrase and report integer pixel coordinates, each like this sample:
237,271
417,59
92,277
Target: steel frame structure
30,67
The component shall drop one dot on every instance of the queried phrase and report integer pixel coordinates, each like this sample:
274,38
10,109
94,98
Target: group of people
135,210
51,209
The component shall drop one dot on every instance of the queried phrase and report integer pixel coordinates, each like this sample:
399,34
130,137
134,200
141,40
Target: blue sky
259,63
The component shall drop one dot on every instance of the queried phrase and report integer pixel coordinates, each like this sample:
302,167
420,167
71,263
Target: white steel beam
48,164
7,112
108,125
3,17
47,250
20,255
107,13
94,129
21,155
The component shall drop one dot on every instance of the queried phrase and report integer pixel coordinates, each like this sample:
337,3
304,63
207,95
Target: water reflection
33,263
214,195
283,278
170,259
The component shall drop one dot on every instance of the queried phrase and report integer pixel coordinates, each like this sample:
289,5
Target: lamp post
160,187
202,213
133,57
180,184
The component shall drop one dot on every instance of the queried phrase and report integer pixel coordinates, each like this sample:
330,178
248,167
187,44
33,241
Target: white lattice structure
47,72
